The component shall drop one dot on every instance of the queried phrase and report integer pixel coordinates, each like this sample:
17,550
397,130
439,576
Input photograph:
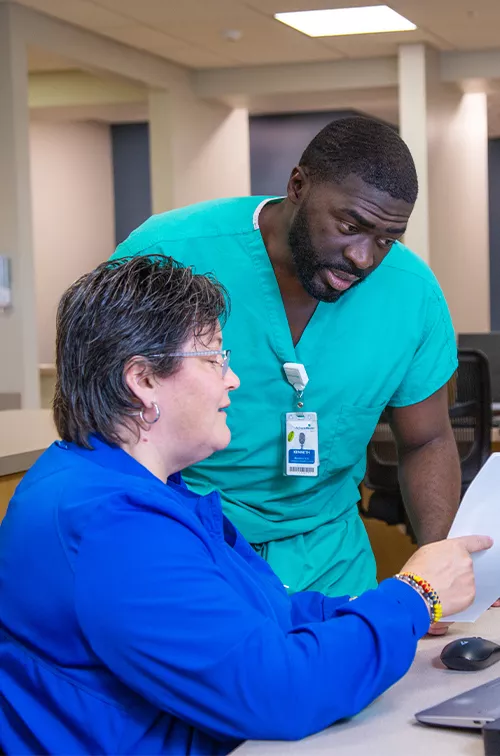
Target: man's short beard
305,258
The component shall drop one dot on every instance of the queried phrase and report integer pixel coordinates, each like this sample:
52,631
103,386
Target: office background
276,142
83,172
112,109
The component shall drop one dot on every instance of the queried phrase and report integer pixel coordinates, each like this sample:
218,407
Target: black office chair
471,419
470,415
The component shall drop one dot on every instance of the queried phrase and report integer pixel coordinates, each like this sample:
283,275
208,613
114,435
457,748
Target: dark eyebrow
359,218
395,231
367,224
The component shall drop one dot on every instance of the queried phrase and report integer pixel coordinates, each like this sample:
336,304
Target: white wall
73,212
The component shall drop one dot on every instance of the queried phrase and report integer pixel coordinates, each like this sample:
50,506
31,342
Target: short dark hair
367,148
143,306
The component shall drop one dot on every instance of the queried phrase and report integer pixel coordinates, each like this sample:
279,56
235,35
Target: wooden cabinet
8,485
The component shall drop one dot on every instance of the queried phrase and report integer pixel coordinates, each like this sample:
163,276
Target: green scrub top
388,341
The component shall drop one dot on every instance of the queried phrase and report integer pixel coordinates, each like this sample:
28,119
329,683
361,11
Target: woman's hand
439,628
447,566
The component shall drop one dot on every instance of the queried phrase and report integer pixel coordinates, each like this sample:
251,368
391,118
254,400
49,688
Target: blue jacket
135,619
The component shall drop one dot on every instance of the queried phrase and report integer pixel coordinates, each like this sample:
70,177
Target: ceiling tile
191,32
202,26
282,51
163,12
467,33
270,7
377,45
445,7
464,24
263,40
164,45
78,12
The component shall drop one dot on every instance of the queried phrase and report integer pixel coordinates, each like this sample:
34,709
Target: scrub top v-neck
388,341
280,329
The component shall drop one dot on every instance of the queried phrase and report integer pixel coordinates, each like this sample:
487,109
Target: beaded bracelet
426,591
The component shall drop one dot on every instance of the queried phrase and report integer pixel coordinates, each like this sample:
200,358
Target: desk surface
24,435
387,727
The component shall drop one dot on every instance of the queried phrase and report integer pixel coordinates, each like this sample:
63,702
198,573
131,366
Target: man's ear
298,184
140,380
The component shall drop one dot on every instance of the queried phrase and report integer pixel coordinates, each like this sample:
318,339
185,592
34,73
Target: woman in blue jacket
134,618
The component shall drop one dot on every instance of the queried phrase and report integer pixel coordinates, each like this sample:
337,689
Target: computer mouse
469,654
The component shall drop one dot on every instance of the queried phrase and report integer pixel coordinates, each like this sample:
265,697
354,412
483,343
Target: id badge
301,443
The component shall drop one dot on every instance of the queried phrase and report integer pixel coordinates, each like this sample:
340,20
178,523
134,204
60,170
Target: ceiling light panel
371,19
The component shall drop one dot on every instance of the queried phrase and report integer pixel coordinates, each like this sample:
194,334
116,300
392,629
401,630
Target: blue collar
111,456
208,508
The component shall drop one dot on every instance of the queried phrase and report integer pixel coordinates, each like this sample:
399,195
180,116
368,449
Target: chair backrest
470,416
382,459
488,344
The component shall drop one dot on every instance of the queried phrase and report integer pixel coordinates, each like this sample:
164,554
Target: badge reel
301,428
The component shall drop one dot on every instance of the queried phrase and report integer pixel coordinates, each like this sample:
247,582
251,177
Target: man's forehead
354,193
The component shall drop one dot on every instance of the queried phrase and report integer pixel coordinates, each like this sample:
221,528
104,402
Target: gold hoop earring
156,417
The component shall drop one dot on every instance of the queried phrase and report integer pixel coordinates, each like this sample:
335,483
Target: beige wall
199,150
413,113
18,363
447,132
73,212
212,154
458,211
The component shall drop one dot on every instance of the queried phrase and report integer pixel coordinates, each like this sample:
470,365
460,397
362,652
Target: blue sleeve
435,359
159,613
311,606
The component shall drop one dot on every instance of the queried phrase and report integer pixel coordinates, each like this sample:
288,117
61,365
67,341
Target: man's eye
387,242
348,228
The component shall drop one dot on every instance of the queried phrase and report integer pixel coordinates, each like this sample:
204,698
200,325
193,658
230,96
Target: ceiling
192,32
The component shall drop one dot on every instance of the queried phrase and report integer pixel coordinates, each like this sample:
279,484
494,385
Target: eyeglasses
225,353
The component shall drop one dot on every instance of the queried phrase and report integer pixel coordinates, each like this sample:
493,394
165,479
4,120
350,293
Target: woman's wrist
426,591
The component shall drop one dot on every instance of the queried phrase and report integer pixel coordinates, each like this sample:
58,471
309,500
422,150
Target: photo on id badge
301,444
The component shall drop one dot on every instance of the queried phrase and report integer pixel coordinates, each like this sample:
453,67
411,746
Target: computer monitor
489,344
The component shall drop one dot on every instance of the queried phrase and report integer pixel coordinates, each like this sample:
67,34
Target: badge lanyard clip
297,377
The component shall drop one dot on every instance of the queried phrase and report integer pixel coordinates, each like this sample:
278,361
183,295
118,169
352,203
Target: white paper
479,514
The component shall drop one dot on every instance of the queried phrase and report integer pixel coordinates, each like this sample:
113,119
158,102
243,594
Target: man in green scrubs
319,278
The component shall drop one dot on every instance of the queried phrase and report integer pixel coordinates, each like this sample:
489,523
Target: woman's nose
231,380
